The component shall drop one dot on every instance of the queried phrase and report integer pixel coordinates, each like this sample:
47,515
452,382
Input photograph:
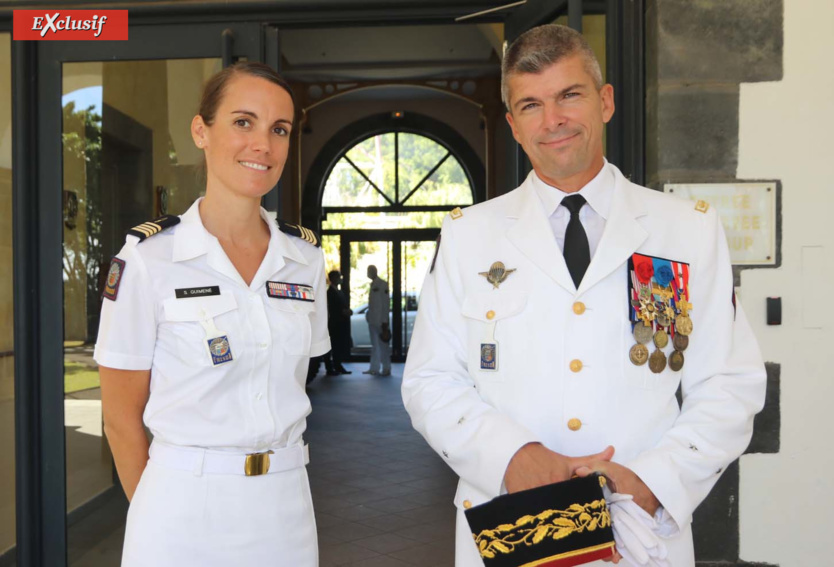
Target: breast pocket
493,337
184,319
289,320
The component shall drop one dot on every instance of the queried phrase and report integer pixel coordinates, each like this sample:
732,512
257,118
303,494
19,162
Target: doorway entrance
393,179
402,259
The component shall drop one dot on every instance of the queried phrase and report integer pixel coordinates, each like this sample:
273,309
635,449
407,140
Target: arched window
394,180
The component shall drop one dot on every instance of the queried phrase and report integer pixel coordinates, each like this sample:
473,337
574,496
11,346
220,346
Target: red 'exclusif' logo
70,25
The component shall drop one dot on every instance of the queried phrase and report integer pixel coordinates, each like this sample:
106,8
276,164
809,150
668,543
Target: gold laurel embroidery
532,530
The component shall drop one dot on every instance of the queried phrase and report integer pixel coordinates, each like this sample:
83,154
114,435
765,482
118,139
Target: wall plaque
748,213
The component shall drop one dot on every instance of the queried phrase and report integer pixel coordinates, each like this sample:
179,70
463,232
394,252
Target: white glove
635,532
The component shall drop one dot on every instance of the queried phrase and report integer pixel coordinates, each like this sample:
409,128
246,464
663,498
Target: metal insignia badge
497,274
489,356
642,333
661,339
680,342
683,325
657,362
220,350
676,361
638,354
114,278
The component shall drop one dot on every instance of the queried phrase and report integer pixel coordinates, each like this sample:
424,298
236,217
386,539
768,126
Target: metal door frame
396,237
38,242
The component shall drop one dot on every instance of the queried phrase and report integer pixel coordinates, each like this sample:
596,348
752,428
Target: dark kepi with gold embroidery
299,231
558,525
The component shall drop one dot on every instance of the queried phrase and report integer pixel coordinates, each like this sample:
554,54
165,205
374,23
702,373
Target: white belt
201,461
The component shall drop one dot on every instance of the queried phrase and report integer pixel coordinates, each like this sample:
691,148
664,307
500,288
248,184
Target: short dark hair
215,87
332,273
537,49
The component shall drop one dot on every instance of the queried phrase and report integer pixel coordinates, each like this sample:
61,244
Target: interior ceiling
392,53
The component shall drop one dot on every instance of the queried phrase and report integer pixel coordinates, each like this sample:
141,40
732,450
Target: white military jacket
177,296
477,419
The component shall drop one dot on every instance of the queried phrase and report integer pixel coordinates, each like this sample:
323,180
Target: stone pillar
698,52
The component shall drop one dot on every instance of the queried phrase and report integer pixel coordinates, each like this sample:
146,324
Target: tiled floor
383,498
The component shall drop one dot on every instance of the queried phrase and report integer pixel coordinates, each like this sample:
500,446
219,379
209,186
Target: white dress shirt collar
597,192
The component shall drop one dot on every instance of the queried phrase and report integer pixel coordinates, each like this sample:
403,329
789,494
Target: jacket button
574,424
575,365
467,504
579,308
490,314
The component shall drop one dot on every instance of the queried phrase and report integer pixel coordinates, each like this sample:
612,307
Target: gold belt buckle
257,463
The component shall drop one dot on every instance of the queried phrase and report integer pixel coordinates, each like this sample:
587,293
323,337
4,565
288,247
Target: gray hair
537,49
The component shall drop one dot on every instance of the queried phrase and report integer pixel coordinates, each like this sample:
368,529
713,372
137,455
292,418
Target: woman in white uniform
207,325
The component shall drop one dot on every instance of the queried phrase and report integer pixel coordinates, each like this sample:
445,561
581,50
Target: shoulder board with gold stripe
299,231
148,229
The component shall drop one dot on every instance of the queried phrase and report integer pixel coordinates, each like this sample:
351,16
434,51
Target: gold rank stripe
148,228
307,234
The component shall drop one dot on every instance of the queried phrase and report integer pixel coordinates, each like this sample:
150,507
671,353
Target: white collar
191,239
597,192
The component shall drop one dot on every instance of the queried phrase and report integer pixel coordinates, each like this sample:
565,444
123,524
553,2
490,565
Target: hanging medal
683,324
641,313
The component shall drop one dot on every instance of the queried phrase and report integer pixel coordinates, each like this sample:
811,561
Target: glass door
358,286
402,258
126,156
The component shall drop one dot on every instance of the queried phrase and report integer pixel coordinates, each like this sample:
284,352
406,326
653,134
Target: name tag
185,293
285,290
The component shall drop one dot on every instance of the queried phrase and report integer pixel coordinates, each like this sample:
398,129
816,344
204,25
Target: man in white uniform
530,357
379,302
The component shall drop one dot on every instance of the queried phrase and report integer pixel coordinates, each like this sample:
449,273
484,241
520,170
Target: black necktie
577,252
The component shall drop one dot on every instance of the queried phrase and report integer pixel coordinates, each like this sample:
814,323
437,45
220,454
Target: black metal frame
37,184
347,137
396,237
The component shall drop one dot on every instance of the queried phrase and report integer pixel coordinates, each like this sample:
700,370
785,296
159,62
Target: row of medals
655,326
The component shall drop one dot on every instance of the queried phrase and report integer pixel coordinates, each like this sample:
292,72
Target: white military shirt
250,394
379,301
562,374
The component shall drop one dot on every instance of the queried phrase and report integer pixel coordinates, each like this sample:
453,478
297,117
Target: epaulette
148,229
299,231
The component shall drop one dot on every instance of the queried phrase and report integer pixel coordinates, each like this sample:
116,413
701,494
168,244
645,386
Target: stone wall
698,55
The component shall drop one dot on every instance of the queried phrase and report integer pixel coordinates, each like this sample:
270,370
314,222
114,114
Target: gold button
575,365
467,504
490,314
574,424
579,308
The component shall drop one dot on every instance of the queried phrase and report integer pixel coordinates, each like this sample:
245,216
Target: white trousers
380,350
179,518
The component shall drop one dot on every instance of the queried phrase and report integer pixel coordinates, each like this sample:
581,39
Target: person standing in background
338,323
379,305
